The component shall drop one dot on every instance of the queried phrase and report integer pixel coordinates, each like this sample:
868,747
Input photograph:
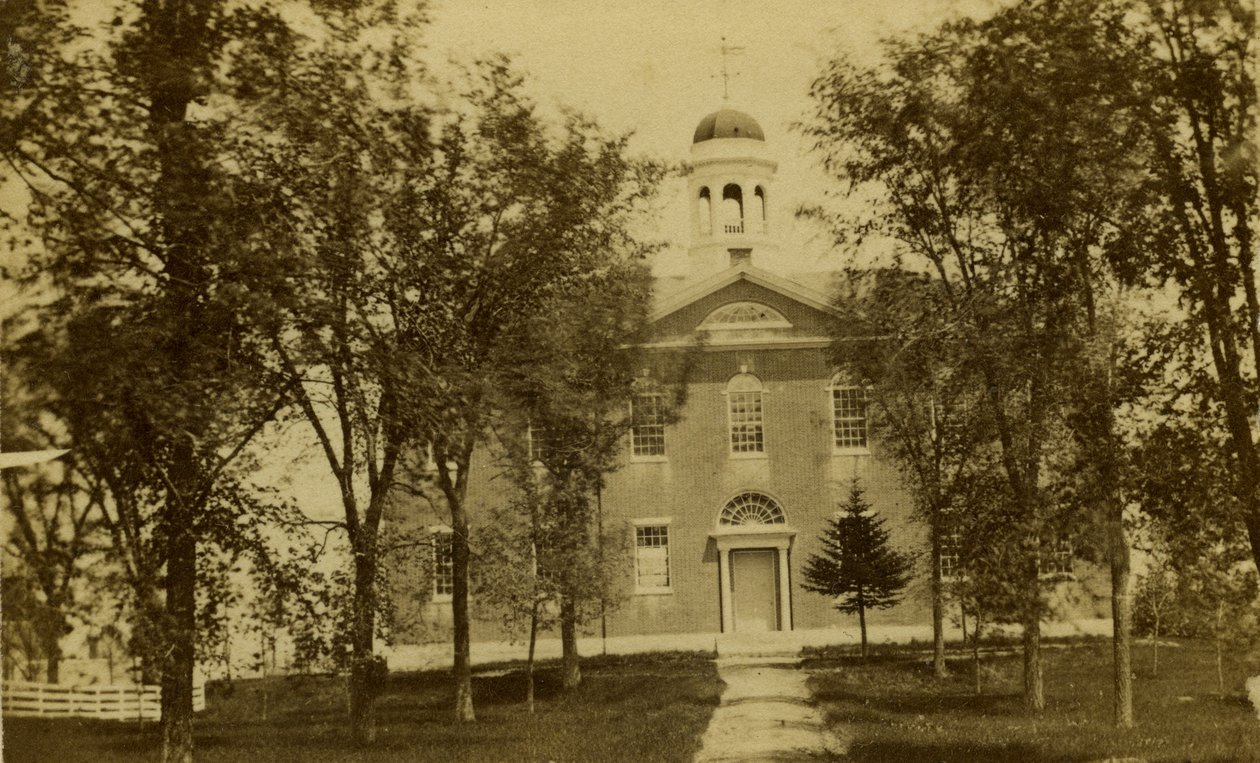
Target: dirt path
766,714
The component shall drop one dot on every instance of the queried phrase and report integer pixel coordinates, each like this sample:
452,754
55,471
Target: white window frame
951,539
653,522
536,449
727,394
434,564
648,457
838,384
1061,554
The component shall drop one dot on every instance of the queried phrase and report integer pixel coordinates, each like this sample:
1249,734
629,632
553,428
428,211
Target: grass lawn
892,709
646,707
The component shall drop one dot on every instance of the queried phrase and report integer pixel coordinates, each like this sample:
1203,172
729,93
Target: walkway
766,712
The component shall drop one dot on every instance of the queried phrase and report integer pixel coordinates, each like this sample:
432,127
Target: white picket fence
123,703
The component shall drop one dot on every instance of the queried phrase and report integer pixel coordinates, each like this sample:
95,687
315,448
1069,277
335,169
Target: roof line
753,275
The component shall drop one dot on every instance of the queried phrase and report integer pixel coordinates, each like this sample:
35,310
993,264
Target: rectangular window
443,566
647,425
951,555
538,446
746,432
1055,559
651,557
848,408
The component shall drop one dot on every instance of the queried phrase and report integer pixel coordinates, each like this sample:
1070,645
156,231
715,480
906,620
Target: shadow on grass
990,705
881,752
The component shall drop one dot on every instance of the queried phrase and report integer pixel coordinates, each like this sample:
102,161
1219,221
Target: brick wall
698,475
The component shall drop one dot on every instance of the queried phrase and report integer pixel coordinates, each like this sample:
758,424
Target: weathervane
728,50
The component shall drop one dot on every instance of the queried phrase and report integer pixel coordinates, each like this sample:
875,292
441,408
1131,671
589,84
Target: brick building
723,506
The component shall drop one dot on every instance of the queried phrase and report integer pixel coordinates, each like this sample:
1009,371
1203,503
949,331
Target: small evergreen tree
857,566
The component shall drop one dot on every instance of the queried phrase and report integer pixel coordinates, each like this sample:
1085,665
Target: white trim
779,322
646,458
775,537
743,271
838,384
638,522
661,459
434,596
651,521
842,452
751,343
761,422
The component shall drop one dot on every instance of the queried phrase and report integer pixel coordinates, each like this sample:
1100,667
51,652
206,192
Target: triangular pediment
742,304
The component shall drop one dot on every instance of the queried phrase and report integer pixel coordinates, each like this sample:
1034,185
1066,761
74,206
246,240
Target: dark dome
728,123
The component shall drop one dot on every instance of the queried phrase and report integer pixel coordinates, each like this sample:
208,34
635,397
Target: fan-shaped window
744,315
752,509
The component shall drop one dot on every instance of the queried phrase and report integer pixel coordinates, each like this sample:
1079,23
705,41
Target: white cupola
730,193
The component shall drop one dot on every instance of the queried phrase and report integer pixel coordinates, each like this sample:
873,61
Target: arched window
751,509
744,315
760,209
704,208
732,209
743,402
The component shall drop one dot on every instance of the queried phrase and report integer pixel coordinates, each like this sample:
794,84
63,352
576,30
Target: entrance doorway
754,590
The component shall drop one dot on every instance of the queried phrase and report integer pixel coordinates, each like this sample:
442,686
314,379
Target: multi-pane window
647,425
752,509
1055,559
743,399
951,554
443,566
848,411
539,449
651,557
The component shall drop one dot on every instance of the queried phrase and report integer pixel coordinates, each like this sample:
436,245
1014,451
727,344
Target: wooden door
754,590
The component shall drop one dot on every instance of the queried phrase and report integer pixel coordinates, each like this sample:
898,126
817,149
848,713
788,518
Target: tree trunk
1121,619
529,663
364,674
570,663
1034,687
181,613
52,655
461,671
975,651
1220,672
1155,649
975,657
939,668
862,626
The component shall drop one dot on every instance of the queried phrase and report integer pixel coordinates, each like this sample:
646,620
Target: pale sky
654,68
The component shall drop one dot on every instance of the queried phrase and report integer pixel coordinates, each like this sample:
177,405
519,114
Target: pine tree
857,566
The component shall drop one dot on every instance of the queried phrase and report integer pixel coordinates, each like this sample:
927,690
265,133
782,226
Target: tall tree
150,279
501,219
857,567
1001,168
1198,100
923,403
571,384
349,348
